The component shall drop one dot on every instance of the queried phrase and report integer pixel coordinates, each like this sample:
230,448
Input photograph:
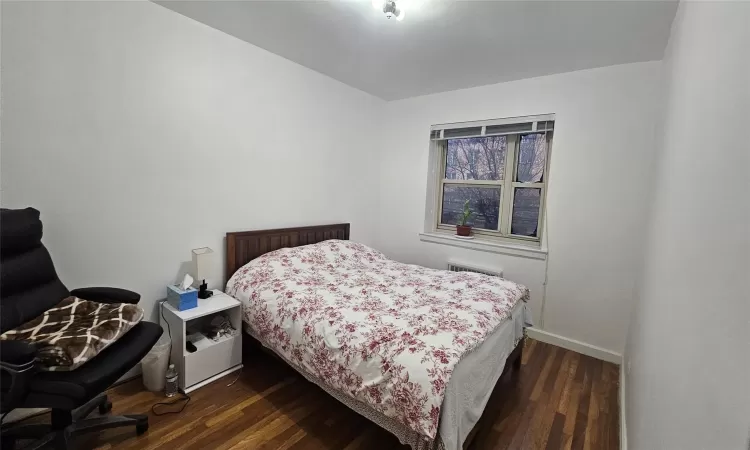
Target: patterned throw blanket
381,332
75,331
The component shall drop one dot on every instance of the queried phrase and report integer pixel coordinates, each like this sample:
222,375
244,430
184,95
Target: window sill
485,245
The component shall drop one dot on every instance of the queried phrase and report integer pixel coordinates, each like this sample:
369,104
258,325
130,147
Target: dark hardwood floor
561,400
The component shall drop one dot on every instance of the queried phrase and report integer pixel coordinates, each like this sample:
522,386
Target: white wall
141,134
601,159
119,106
688,354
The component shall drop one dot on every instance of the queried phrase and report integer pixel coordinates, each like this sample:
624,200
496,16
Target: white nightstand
211,360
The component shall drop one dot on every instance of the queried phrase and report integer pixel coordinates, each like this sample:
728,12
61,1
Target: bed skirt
455,424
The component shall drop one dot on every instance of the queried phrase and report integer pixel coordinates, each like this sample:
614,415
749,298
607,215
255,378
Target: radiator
462,267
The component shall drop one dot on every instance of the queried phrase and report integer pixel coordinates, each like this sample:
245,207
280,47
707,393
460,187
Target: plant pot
463,230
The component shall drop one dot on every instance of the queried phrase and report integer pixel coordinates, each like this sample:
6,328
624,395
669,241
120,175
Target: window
500,167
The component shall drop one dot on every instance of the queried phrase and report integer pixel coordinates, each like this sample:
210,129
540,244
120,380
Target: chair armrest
17,360
17,353
107,295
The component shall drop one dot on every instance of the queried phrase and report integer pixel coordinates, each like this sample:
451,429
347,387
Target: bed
416,350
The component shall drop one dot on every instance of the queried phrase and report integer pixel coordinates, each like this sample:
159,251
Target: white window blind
495,127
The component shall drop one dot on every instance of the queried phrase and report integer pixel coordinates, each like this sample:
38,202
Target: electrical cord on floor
161,311
239,372
185,398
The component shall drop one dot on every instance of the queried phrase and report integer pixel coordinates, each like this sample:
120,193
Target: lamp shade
202,259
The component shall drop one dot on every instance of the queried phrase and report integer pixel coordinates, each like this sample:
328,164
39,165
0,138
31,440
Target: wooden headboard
244,246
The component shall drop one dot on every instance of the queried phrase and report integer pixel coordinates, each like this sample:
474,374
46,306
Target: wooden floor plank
581,420
236,409
538,430
559,399
592,426
613,408
549,413
555,438
565,397
545,373
571,410
528,351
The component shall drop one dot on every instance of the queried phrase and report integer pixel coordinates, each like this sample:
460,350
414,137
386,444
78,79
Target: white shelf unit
212,359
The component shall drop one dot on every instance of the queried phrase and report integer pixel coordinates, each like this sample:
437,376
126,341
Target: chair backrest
28,281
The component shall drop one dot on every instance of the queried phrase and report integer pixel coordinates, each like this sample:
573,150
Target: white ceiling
443,45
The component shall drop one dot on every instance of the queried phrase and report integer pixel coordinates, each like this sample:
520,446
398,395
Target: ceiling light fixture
389,8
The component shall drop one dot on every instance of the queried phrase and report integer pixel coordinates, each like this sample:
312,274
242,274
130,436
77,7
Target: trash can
154,364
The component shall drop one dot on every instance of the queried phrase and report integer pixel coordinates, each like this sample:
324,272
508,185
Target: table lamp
202,258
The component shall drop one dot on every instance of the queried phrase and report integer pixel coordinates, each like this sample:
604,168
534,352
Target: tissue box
180,299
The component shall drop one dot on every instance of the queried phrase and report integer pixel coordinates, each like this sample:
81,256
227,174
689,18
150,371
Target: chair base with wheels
66,425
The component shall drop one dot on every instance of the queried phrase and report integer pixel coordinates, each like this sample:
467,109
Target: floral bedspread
385,333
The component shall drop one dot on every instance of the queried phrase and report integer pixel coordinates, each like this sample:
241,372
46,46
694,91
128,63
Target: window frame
508,185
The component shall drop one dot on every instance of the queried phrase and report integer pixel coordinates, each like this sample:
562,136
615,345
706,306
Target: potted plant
462,229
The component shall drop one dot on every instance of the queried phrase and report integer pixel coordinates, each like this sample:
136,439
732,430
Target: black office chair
28,287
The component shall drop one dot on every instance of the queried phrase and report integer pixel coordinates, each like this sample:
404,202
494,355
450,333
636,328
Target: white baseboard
576,346
623,416
212,379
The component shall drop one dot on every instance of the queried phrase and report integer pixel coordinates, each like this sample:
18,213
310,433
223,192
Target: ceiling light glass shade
378,4
400,15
